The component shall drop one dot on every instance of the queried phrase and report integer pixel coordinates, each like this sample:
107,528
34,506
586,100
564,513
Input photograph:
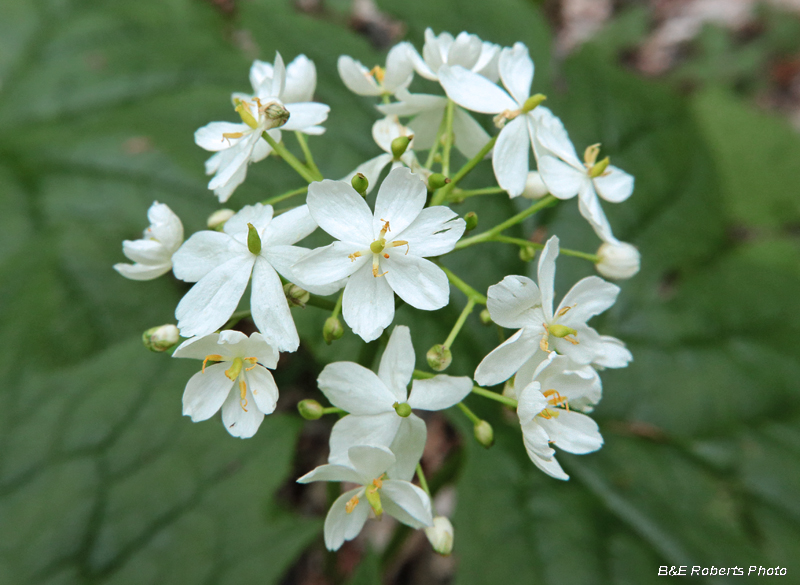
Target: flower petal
573,432
241,421
411,104
589,296
355,389
202,253
331,472
354,430
385,130
262,386
289,227
615,185
260,72
370,461
589,206
211,136
543,456
356,77
406,502
340,211
561,179
367,304
399,69
612,353
206,392
425,127
474,92
511,156
439,392
397,363
516,71
305,115
259,215
552,138
465,50
508,357
270,309
341,526
417,281
547,276
434,232
407,446
400,198
278,77
329,264
142,271
530,402
301,81
469,136
512,302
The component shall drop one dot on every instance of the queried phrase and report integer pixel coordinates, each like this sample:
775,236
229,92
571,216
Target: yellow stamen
554,398
351,504
354,255
386,228
376,267
505,116
549,414
590,155
229,135
564,311
386,256
251,360
377,482
378,73
398,243
243,394
211,358
544,345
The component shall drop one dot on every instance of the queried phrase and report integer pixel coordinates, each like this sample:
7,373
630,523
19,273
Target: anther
243,394
351,504
398,243
354,255
211,358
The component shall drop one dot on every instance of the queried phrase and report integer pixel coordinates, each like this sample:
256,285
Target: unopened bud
297,297
561,331
472,221
276,114
534,186
484,433
618,261
309,409
161,338
440,535
439,357
402,408
399,145
253,240
437,181
360,183
486,318
527,253
532,102
217,219
332,330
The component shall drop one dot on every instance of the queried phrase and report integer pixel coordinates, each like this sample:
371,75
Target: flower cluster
550,364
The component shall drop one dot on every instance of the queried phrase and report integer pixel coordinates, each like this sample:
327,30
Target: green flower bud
309,409
439,357
484,433
532,102
253,240
399,145
217,220
332,330
402,408
276,114
437,181
297,297
558,330
360,183
486,318
161,338
472,221
527,253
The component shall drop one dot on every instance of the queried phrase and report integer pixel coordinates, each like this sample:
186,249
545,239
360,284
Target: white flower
547,414
516,302
566,176
618,260
380,405
384,131
440,535
517,112
277,90
378,81
381,253
367,466
240,383
534,186
466,50
252,243
153,253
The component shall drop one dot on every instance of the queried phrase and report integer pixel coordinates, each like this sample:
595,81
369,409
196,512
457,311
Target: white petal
508,357
511,156
225,190
211,136
357,77
260,71
439,392
270,309
407,446
385,130
289,227
470,137
305,115
511,302
578,384
488,62
399,69
411,104
259,215
278,77
474,92
214,298
542,455
203,252
400,199
142,271
589,296
420,65
206,392
146,251
301,80
516,71
425,127
165,227
552,136
371,170
370,461
340,211
417,281
233,166
435,231
354,430
589,206
330,263
531,402
331,472
547,276
613,353
262,386
241,421
406,502
199,347
465,50
561,179
367,304
397,363
283,259
573,432
341,526
614,185
355,389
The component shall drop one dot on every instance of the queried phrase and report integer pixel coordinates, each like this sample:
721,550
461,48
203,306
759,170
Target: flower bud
527,253
399,145
472,221
437,181
309,409
297,297
534,186
484,433
360,183
217,219
253,240
276,114
486,317
439,357
161,338
402,408
440,535
332,330
618,261
532,102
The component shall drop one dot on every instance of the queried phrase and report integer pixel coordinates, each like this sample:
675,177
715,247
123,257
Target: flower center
596,169
372,493
554,399
379,73
530,104
233,372
378,249
557,330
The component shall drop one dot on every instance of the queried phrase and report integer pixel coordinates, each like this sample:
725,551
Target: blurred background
103,482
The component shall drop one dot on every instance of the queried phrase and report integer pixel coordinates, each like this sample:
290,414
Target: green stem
321,303
423,483
436,143
470,415
333,410
593,258
284,196
460,323
494,396
488,235
464,287
448,137
235,318
338,306
442,194
459,195
293,161
312,166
